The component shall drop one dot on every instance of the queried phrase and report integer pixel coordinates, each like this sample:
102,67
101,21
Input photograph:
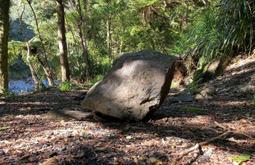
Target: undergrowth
222,29
66,86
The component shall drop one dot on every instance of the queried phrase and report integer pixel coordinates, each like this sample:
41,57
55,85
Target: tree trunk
47,71
4,31
65,71
32,70
109,35
44,63
83,42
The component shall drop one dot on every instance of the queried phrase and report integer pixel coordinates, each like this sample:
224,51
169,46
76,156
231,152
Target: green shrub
221,29
193,87
240,159
8,94
66,86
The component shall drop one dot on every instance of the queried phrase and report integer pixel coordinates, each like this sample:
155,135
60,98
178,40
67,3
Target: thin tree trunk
44,63
32,70
109,35
83,42
65,71
73,36
28,58
4,31
47,72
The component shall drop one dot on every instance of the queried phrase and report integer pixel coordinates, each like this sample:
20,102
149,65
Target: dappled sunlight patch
30,117
244,125
181,125
241,70
168,142
53,137
240,63
2,102
76,128
200,121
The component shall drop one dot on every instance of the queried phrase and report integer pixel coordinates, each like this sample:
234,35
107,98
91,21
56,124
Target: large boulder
136,83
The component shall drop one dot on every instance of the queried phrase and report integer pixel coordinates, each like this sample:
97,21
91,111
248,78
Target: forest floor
52,128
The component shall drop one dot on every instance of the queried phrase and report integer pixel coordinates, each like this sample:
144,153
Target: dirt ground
52,128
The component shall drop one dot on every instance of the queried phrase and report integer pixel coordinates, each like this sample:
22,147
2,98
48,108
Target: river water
24,85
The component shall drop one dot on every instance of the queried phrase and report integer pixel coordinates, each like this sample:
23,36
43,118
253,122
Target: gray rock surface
136,83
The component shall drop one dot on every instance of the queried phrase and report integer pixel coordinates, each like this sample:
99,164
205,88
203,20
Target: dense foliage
223,28
202,29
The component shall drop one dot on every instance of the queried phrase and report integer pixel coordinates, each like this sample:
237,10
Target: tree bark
4,33
65,71
44,63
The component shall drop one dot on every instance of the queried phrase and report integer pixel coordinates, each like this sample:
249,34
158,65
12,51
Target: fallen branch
237,132
223,135
221,126
198,146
